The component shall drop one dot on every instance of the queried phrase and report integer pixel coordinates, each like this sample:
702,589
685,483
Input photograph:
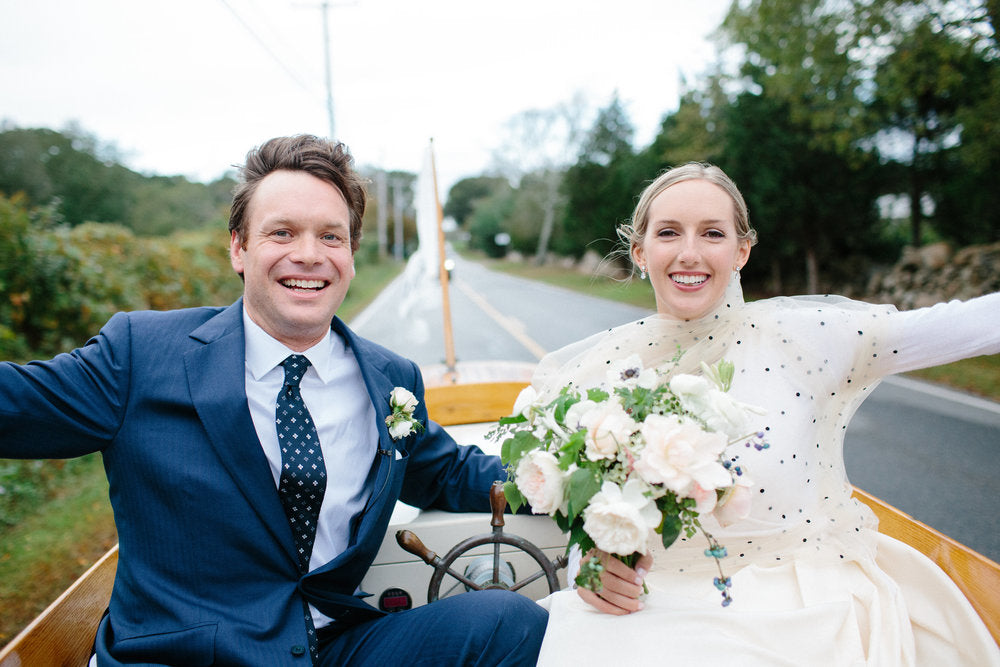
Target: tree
82,181
490,219
467,193
799,52
693,133
806,202
64,170
541,143
921,88
601,187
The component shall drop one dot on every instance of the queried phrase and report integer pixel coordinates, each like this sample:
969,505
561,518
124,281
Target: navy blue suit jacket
206,571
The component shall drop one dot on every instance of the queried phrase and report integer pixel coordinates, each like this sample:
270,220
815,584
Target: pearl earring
642,272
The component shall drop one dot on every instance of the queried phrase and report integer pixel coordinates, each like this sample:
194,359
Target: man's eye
282,233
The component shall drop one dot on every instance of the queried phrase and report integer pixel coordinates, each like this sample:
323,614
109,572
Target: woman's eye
666,232
715,234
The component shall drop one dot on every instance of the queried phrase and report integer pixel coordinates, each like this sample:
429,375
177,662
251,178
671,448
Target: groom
242,540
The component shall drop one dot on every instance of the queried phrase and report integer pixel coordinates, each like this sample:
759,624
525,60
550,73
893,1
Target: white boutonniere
401,422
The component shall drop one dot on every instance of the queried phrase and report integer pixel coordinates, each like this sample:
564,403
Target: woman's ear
638,257
742,254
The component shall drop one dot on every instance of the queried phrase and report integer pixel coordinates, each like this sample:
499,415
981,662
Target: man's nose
307,250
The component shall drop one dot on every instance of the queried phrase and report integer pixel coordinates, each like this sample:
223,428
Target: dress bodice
809,362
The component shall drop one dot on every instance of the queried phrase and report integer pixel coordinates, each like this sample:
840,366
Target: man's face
297,263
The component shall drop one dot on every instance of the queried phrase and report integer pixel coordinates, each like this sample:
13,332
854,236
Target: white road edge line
944,393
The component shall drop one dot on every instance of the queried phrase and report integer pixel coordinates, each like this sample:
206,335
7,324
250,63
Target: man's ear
236,252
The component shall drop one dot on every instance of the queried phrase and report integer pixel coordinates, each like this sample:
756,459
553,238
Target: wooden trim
976,576
473,403
64,633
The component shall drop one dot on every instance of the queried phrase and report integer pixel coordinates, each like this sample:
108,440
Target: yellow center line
511,325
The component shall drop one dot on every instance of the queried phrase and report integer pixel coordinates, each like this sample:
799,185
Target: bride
813,581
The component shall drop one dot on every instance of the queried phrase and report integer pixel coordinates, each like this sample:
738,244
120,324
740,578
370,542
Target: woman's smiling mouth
688,279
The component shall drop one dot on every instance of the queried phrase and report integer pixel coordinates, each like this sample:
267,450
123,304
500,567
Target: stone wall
937,272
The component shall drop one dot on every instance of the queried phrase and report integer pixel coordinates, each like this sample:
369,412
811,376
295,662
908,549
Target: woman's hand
620,584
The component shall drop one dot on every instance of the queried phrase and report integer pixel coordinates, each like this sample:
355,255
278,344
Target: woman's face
691,248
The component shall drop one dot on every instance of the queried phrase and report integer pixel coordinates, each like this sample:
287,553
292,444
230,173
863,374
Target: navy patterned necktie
303,473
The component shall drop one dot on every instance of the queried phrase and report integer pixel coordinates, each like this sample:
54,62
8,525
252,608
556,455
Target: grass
42,555
65,534
978,375
370,279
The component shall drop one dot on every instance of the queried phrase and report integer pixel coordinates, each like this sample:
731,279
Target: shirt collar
264,352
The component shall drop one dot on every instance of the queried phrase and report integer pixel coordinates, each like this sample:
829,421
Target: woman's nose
689,251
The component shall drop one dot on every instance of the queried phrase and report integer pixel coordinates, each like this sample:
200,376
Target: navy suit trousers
483,628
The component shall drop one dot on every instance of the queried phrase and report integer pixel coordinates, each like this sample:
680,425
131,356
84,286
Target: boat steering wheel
479,575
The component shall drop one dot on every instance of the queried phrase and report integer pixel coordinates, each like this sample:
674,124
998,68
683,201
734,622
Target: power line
288,70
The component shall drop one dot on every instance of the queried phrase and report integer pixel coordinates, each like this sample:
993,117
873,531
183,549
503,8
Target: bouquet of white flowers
635,455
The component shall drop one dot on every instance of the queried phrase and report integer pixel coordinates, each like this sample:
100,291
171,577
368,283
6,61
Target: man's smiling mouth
295,283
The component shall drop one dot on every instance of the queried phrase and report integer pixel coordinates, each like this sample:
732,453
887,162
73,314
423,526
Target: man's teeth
689,280
303,284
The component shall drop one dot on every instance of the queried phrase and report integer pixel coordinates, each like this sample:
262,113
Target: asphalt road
931,452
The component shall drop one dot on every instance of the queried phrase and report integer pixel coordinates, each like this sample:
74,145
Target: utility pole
326,60
382,217
397,215
325,7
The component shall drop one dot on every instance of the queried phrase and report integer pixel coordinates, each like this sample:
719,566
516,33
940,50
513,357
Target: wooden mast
449,341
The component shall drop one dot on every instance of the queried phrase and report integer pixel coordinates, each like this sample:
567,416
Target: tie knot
295,366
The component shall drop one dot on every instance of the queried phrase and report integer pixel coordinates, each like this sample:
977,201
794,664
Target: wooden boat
63,634
466,399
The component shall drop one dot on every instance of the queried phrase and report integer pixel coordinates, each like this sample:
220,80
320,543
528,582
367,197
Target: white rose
608,427
400,429
680,454
403,398
619,520
525,401
716,408
541,481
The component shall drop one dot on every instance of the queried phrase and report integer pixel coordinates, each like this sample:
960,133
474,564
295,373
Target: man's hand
621,585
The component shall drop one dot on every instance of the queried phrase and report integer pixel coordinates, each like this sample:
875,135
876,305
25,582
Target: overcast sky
188,86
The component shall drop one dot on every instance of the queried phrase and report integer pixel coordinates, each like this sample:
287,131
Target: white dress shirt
335,394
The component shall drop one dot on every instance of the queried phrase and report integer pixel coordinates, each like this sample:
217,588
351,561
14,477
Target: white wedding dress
814,583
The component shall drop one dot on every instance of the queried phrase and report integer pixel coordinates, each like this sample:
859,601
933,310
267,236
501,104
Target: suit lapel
373,369
216,374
